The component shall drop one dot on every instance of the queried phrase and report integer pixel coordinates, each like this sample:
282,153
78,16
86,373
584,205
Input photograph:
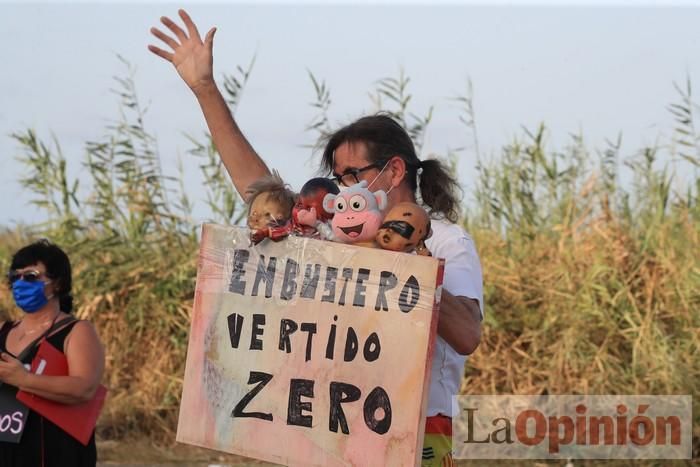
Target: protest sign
304,352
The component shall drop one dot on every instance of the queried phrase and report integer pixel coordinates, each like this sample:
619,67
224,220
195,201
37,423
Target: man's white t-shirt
462,277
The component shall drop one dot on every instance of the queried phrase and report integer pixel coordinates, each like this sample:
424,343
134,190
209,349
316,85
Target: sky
589,69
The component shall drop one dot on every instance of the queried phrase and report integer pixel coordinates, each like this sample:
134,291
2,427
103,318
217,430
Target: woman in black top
40,277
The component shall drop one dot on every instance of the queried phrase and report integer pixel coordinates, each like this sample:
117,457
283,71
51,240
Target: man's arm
459,322
243,164
193,60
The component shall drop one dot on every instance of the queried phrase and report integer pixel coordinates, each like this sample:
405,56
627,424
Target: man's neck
401,194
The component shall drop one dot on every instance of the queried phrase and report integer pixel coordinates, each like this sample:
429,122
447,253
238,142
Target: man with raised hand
376,149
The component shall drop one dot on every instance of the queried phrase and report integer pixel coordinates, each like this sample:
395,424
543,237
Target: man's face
353,156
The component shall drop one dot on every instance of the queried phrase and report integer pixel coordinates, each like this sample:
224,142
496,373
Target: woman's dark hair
57,268
386,138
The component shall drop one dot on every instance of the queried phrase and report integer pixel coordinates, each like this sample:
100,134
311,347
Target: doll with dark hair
308,215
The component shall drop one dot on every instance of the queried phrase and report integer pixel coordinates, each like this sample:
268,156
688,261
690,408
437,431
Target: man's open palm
191,56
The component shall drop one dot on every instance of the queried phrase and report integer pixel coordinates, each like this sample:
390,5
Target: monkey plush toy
357,214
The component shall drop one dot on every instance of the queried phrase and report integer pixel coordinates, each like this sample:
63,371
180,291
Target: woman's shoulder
84,326
82,331
70,328
79,326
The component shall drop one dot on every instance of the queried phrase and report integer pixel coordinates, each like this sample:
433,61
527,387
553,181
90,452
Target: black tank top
43,443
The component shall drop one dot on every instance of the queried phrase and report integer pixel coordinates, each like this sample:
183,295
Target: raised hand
193,61
192,57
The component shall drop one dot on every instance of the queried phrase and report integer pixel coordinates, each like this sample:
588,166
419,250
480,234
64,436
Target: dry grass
591,313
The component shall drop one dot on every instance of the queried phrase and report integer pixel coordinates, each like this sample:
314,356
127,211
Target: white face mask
342,188
378,175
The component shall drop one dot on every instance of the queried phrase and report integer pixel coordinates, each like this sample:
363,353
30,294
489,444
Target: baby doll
405,228
308,215
356,214
270,204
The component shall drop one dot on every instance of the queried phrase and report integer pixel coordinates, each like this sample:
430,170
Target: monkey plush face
404,227
356,213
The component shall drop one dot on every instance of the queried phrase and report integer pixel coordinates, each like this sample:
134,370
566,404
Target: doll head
405,226
311,196
270,202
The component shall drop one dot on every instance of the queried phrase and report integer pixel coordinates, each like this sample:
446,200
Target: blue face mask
29,296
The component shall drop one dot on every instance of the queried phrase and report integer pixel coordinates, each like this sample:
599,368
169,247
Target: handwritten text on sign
307,352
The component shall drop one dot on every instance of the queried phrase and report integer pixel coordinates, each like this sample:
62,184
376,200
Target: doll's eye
340,205
358,203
